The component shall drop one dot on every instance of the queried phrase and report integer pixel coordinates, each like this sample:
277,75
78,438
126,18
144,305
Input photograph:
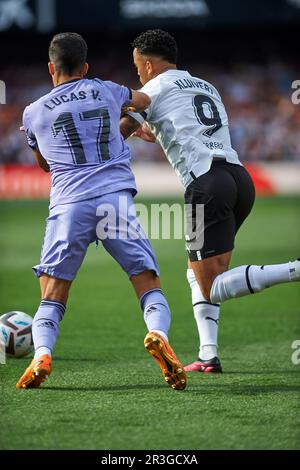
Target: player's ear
85,69
149,67
51,68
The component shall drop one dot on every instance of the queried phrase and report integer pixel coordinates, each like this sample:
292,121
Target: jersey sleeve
122,94
31,139
153,89
139,117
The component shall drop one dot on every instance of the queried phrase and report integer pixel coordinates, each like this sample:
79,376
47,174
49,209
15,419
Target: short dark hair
157,42
68,52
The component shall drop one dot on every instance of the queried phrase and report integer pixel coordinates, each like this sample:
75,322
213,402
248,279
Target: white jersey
189,121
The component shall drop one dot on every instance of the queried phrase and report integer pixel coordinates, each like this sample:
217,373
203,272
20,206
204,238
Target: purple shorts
111,219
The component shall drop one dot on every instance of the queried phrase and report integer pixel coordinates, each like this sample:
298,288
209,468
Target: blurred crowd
264,123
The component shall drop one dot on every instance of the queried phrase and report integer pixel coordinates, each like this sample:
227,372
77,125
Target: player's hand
22,129
127,109
144,133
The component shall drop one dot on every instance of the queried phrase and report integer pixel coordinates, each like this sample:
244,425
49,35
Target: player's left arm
128,125
41,160
131,127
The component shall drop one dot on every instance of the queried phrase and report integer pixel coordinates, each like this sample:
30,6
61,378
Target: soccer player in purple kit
74,133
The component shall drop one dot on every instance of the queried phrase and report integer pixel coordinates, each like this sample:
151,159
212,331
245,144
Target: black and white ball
16,333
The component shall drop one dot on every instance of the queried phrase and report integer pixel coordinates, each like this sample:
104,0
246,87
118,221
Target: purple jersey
76,129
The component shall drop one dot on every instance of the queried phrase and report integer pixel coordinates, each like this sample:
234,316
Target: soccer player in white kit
188,119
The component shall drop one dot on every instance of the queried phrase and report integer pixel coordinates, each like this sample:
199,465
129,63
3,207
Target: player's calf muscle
205,286
53,288
145,281
208,269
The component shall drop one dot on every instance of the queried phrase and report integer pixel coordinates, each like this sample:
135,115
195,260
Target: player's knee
146,276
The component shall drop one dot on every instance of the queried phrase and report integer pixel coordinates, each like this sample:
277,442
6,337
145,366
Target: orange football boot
172,369
36,373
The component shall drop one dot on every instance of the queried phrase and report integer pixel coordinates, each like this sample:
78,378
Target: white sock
245,280
41,351
157,314
208,352
207,317
161,333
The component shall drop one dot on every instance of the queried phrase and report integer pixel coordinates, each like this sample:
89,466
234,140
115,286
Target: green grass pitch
106,392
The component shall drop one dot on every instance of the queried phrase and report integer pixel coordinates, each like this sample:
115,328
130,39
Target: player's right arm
32,142
139,102
128,99
134,122
128,125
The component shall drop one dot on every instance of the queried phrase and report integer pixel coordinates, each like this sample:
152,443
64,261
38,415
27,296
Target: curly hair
156,42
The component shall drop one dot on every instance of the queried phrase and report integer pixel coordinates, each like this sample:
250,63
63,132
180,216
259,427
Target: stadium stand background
252,63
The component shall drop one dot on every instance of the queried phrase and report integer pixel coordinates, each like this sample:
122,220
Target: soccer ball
16,334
